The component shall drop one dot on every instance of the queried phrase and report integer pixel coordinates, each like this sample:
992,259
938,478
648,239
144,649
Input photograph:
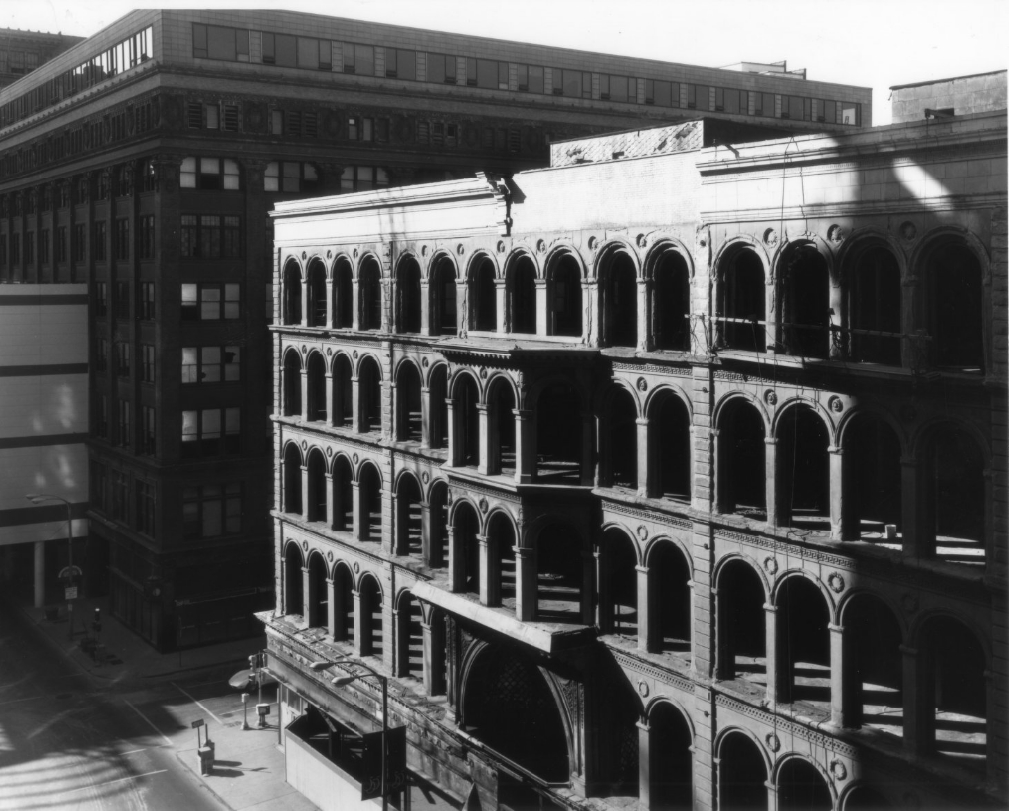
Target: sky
869,43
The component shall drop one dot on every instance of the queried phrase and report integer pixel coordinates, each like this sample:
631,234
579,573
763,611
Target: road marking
112,782
134,751
149,722
197,703
22,700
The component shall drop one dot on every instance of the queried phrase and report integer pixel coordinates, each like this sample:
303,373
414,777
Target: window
530,78
280,50
203,116
30,248
102,355
211,364
850,113
44,247
122,301
358,59
101,298
363,178
80,242
98,243
361,129
573,83
147,236
218,42
98,486
122,239
60,246
146,505
291,176
211,510
120,493
64,193
125,425
15,249
149,178
148,431
122,359
147,363
441,68
102,417
211,432
210,236
209,173
617,88
210,302
147,301
400,64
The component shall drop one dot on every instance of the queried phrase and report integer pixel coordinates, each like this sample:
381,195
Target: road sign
197,723
70,572
71,593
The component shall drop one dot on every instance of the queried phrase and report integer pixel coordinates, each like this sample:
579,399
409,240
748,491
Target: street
69,741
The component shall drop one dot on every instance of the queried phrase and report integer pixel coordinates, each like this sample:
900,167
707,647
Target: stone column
425,531
427,647
525,583
604,609
359,517
525,453
643,339
838,699
645,630
425,417
770,487
304,492
490,583
461,308
358,624
329,397
484,441
772,795
837,350
304,301
40,574
643,454
356,285
357,418
771,652
331,618
717,474
542,312
644,764
837,516
500,302
454,445
329,302
456,562
304,394
425,307
330,503
307,597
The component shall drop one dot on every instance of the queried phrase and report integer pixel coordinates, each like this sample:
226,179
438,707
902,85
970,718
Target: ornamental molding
653,368
642,668
661,518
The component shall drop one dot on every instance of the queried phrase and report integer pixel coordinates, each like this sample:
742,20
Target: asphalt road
66,743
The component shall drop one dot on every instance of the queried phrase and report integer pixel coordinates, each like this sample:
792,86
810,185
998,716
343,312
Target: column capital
770,440
641,569
907,650
770,609
837,629
836,450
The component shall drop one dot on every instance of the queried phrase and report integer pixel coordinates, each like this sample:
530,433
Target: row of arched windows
866,306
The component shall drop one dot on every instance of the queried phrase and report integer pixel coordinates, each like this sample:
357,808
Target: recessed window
210,236
211,432
210,302
149,431
211,364
363,178
441,68
209,173
148,363
290,177
358,59
212,510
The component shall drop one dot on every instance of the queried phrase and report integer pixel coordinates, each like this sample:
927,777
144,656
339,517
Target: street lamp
341,681
39,498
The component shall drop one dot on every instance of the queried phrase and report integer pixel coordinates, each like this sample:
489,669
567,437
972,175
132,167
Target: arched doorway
560,571
410,656
802,787
292,480
294,595
805,306
408,296
466,550
483,296
741,473
317,314
803,643
291,304
438,407
522,289
370,291
620,301
670,595
954,295
343,294
802,472
670,771
370,484
318,504
372,626
318,603
669,434
343,392
875,307
343,494
369,389
618,588
501,423
872,480
316,386
408,516
408,405
343,611
741,629
873,676
564,297
439,552
740,318
467,419
623,438
558,435
955,497
292,384
671,302
742,774
443,319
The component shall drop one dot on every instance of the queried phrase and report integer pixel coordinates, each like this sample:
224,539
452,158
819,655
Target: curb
199,777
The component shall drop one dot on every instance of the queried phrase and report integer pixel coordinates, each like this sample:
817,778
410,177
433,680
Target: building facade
23,51
142,163
672,474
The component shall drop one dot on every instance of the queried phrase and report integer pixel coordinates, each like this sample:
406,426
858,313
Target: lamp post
340,681
39,498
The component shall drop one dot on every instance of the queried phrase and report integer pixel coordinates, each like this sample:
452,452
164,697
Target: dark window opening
742,775
872,481
443,320
873,666
954,290
410,656
408,517
292,490
408,404
623,437
292,295
670,438
369,384
803,644
408,296
671,768
669,581
292,384
483,297
343,392
955,489
564,293
558,435
671,303
805,287
802,477
372,628
523,296
438,407
618,587
466,546
740,305
370,287
801,787
371,504
501,426
620,302
343,295
293,591
343,495
317,295
316,387
316,497
875,308
740,471
467,422
560,574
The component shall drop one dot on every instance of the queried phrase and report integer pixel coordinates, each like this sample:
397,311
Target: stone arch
670,596
371,600
501,532
443,275
621,410
565,271
409,412
501,395
466,395
669,765
292,278
820,796
669,412
369,286
291,394
342,306
873,445
318,590
409,636
344,609
343,492
369,479
292,462
369,392
805,611
464,555
409,521
617,271
617,590
294,562
742,428
804,273
521,272
317,298
742,591
316,367
482,274
437,386
407,274
803,438
946,233
317,497
872,270
741,315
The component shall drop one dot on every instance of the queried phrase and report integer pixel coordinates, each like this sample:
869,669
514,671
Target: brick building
142,163
670,475
23,51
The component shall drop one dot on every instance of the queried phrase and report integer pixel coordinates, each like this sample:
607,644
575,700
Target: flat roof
949,79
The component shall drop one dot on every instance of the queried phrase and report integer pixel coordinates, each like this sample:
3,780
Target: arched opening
564,296
291,302
408,406
872,480
343,392
466,547
955,502
501,562
443,318
953,690
501,422
437,392
482,296
741,627
370,484
742,774
954,288
294,595
875,307
671,769
408,516
343,611
467,419
369,287
671,302
408,296
292,479
343,494
669,435
802,787
292,383
623,437
618,750
438,554
508,706
369,389
558,435
805,293
410,656
802,474
343,294
873,666
372,627
317,501
318,603
317,294
670,597
522,291
866,798
560,574
316,386
803,643
618,587
740,308
437,676
620,301
741,475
